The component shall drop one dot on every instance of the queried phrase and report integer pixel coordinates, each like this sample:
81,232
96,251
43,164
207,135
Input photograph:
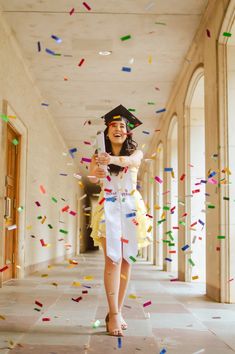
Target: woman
119,222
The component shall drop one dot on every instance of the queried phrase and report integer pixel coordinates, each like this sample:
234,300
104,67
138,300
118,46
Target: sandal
115,332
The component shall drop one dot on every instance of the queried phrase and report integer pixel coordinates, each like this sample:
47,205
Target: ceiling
161,33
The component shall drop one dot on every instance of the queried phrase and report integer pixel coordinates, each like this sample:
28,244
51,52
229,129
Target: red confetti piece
101,201
4,268
124,240
38,303
86,6
46,319
195,223
84,292
217,248
175,279
108,178
185,214
78,299
196,191
172,209
182,177
176,228
71,11
72,212
172,251
87,142
38,204
42,242
65,208
65,78
208,33
108,190
81,62
150,216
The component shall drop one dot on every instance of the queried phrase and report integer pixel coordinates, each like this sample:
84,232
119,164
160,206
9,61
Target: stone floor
180,319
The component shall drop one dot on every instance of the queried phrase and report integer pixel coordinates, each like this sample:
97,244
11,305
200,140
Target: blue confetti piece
130,215
57,39
49,51
203,181
168,169
161,110
201,222
145,132
72,151
168,259
44,104
125,68
163,351
213,173
119,342
110,199
185,247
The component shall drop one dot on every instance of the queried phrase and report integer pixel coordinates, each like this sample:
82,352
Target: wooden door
11,200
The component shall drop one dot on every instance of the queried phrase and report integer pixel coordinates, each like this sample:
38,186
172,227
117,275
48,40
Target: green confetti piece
166,208
131,110
54,199
160,221
15,142
39,217
50,226
225,198
221,237
151,179
96,324
151,103
63,231
171,244
166,241
131,125
182,223
211,206
191,262
132,259
4,117
171,237
37,309
227,34
160,23
125,38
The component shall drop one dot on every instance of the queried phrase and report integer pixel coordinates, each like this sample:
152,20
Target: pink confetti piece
42,189
212,181
147,303
72,212
158,179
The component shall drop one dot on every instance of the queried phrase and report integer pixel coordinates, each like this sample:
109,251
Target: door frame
19,126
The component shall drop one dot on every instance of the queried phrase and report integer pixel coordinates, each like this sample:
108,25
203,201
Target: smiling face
117,132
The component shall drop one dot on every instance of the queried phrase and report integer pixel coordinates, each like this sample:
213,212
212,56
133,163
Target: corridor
180,318
117,120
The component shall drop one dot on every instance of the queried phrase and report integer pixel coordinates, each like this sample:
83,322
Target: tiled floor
180,319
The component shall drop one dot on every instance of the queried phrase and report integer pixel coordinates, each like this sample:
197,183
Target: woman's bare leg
112,283
124,281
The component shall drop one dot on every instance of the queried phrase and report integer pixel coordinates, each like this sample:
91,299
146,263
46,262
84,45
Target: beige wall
203,51
42,161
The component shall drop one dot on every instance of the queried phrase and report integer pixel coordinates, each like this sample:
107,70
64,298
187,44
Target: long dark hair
128,147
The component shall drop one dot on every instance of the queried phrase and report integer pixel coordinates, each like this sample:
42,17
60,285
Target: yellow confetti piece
150,59
116,117
2,317
195,277
163,216
44,275
29,227
43,220
86,214
132,296
123,276
133,191
55,284
172,174
150,228
81,184
88,277
12,117
49,266
76,283
157,207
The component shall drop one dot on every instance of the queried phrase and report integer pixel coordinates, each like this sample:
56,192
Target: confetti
57,39
49,51
4,117
125,38
12,227
119,342
145,132
46,319
44,104
63,231
15,142
39,46
81,62
163,351
132,259
161,110
38,303
168,259
77,299
96,324
126,69
85,159
42,189
168,169
71,11
227,34
2,317
160,23
220,237
195,277
147,303
86,6
185,247
191,262
208,33
4,268
182,177
130,215
158,179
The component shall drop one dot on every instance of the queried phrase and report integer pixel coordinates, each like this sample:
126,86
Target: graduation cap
120,112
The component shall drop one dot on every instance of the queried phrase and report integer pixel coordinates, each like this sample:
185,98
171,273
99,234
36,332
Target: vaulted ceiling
160,34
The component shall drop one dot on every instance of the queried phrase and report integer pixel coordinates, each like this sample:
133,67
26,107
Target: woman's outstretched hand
103,158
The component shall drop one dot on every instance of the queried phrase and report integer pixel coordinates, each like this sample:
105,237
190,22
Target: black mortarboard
122,112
